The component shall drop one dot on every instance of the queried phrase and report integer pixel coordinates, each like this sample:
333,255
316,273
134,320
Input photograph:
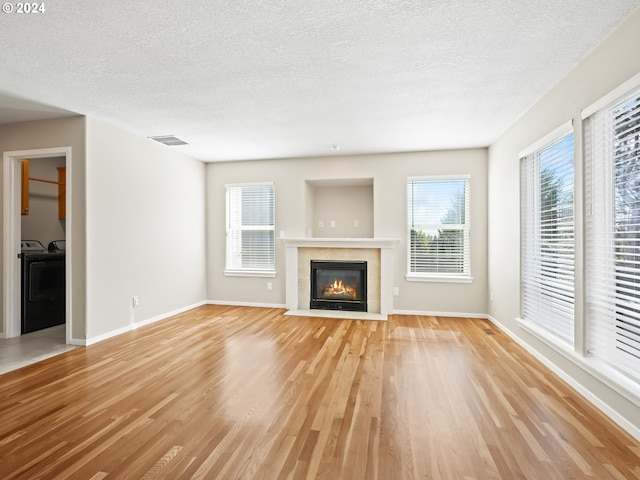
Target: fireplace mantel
384,245
309,242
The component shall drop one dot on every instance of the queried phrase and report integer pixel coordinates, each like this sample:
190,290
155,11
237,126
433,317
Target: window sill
439,278
615,380
539,332
250,273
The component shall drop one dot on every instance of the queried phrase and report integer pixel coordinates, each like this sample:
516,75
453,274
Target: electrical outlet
269,286
491,296
333,224
356,223
320,224
396,291
135,301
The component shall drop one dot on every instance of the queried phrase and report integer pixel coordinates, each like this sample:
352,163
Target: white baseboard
245,304
128,328
601,405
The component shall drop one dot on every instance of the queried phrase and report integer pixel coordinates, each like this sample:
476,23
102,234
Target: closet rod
46,181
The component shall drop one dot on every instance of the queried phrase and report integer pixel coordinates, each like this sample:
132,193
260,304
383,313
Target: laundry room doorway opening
13,245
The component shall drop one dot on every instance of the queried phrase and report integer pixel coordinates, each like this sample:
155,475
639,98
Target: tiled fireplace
377,253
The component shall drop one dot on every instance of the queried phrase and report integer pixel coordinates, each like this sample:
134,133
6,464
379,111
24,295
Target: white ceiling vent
169,140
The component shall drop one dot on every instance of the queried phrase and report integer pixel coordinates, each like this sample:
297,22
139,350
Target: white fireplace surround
382,302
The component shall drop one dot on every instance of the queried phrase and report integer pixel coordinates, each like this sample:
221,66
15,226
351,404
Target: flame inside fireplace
337,289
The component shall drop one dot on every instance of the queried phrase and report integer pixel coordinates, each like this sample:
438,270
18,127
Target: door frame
11,238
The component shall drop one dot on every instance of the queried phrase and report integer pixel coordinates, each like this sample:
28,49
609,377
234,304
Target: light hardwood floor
248,393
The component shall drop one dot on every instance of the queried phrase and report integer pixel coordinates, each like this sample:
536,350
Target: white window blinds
547,237
438,226
612,194
250,228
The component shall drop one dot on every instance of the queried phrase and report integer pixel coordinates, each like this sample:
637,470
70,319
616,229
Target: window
250,229
438,228
612,193
547,235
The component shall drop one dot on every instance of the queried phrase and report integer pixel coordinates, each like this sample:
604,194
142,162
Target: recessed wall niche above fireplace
339,285
339,208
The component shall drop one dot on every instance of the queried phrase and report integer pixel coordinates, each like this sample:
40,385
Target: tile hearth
336,314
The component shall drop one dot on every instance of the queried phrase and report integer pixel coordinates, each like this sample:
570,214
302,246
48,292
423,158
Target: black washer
43,287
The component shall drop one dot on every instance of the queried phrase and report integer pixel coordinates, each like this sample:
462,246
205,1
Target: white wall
145,230
609,65
42,222
389,173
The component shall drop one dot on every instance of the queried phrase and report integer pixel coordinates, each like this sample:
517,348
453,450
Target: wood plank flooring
248,393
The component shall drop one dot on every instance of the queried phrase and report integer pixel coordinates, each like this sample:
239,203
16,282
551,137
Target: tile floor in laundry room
32,347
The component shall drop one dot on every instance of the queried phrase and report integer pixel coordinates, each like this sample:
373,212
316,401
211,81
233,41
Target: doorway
12,237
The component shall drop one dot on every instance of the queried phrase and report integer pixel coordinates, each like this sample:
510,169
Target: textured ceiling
286,78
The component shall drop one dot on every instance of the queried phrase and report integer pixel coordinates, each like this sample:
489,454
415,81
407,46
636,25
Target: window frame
442,277
544,308
239,271
607,295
